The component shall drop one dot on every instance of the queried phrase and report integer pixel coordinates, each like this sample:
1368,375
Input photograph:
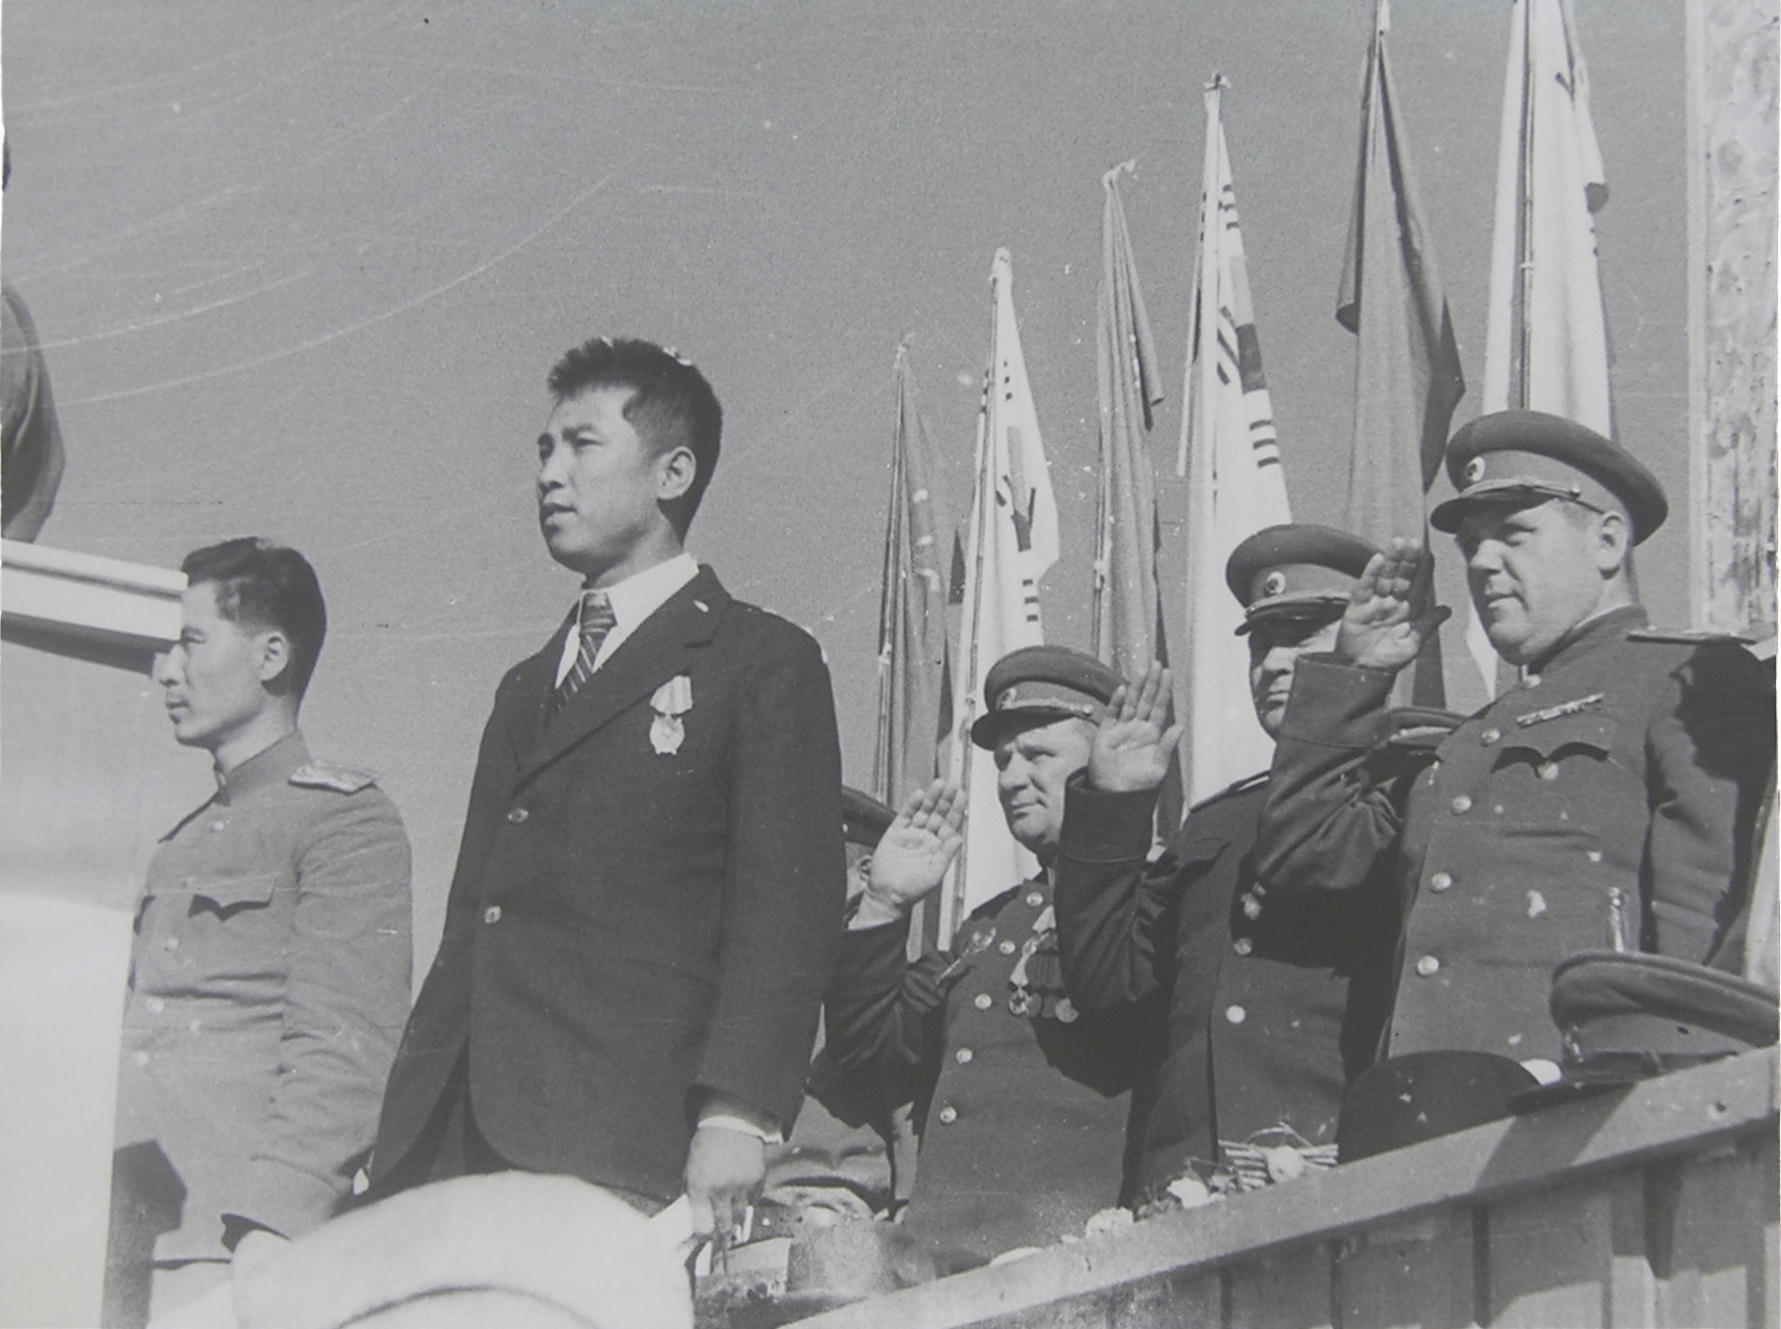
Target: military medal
671,701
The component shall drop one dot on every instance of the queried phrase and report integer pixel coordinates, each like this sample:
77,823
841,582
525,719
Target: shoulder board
1247,782
328,775
1687,636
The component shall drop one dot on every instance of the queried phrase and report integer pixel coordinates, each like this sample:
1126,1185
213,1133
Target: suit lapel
661,647
527,704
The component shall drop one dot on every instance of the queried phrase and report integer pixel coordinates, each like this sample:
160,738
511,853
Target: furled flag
914,715
1011,539
1128,630
912,654
1407,373
1546,338
1235,484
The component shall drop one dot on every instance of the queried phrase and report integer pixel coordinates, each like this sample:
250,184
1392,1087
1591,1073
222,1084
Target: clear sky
300,271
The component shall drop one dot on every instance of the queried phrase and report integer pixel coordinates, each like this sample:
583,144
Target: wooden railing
1652,1206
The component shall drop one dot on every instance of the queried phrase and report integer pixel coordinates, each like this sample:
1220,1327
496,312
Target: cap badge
1474,470
1274,584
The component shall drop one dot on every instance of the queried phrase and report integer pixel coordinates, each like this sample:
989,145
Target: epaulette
1247,782
1418,727
329,775
1688,636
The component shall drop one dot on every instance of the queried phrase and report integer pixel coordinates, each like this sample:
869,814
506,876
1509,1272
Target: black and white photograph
890,664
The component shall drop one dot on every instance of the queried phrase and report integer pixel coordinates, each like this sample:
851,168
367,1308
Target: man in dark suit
648,893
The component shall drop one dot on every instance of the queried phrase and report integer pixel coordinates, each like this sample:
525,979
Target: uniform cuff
871,960
1336,703
1102,827
285,1200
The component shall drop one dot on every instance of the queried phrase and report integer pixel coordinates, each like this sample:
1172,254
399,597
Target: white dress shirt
633,600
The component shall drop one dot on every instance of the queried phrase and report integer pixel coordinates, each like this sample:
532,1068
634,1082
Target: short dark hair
671,404
261,584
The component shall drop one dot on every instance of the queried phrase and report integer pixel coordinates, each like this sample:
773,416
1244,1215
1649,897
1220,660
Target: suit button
1490,736
948,1115
1242,945
1441,881
1462,805
983,1001
1034,899
516,816
963,1056
1235,1014
1427,966
492,914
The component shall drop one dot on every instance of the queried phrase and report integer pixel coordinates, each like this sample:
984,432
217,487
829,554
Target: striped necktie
597,620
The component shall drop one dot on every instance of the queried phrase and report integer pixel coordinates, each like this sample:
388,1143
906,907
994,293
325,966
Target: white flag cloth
1546,340
1011,539
1235,484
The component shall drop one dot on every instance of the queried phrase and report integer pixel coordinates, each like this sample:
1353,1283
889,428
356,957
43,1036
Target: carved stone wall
1732,60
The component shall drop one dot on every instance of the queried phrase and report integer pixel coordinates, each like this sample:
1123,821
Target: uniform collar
1589,637
269,766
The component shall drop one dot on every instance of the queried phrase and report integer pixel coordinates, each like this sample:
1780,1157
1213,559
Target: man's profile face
1533,572
1032,767
211,679
1274,650
597,484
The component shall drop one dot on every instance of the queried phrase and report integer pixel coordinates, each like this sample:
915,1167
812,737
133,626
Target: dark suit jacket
630,928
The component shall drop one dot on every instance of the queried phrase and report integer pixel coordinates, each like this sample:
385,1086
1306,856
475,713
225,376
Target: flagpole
890,596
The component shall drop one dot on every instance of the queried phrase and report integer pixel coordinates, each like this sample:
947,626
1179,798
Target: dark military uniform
1276,998
1605,803
268,986
1022,1101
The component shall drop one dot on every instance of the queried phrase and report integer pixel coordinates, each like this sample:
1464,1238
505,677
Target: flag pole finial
1129,166
1219,82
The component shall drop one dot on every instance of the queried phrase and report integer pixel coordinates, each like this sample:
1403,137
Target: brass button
492,914
218,824
1242,945
1462,804
517,816
141,1058
1005,946
1035,899
963,1056
1547,770
1428,965
1490,736
948,1115
1252,907
983,1001
171,944
155,1004
1441,881
1235,1014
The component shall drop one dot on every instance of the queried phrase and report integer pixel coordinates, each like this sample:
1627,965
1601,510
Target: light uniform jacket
1606,802
1021,1101
268,984
646,904
1275,998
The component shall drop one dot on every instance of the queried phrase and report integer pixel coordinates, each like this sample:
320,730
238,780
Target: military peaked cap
864,820
1531,456
1040,685
1295,571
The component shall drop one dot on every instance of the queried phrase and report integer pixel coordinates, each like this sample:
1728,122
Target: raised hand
914,853
1135,742
1391,611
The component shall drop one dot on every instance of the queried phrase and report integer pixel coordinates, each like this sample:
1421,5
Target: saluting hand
1390,611
1135,741
914,853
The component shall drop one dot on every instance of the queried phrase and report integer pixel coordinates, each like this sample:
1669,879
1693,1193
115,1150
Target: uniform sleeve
1710,751
1331,815
1115,909
345,1001
786,883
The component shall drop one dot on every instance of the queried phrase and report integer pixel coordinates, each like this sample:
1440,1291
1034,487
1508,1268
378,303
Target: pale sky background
300,270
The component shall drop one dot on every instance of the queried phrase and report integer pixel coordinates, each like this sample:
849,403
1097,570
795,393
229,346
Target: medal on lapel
671,701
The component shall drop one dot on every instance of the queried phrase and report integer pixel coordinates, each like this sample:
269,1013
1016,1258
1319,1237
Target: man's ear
676,469
1613,542
276,659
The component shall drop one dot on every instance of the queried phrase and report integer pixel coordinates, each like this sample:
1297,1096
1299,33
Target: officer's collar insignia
1562,709
1474,470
